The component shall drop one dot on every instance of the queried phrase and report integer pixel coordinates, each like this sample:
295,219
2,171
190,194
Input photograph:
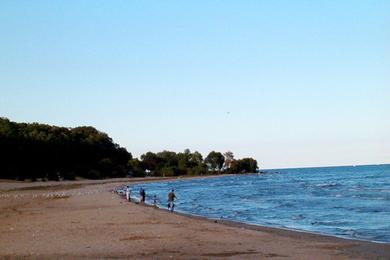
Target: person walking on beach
171,199
142,194
155,201
128,192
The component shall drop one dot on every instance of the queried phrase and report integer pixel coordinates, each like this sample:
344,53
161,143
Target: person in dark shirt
142,194
171,199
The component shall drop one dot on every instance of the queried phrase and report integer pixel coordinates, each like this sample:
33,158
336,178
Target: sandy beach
85,219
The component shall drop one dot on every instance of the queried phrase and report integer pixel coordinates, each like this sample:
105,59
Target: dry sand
87,220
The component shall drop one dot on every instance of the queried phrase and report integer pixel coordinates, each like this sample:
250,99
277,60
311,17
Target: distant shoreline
326,166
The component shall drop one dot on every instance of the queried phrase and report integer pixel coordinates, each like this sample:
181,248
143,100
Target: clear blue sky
290,83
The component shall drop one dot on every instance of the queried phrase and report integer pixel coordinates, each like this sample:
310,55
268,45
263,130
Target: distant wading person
142,194
171,199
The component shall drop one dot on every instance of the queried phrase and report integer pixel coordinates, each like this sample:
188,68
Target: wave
327,184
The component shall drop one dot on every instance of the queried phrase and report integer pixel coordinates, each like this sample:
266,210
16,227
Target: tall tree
245,165
196,158
150,161
229,159
214,161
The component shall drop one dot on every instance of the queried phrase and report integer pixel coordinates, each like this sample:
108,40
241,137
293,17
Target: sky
289,83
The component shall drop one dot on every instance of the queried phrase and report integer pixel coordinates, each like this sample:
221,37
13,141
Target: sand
85,219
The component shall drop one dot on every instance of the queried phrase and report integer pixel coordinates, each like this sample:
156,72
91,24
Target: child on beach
128,192
171,199
155,201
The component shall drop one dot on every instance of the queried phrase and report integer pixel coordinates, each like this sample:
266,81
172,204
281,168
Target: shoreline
263,227
255,226
288,231
102,225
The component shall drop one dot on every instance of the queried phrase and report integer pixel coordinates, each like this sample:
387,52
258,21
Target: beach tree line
39,151
168,163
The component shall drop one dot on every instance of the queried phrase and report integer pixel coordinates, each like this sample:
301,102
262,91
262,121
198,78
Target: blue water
349,202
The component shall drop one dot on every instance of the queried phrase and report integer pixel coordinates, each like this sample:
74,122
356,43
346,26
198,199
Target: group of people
142,194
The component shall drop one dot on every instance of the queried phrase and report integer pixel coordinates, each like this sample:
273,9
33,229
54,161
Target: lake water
349,202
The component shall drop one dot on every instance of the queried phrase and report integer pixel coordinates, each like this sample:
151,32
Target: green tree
150,161
229,159
198,170
135,168
196,158
245,165
168,171
183,161
167,158
39,151
214,161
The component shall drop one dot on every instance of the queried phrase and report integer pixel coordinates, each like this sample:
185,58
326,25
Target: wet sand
85,219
